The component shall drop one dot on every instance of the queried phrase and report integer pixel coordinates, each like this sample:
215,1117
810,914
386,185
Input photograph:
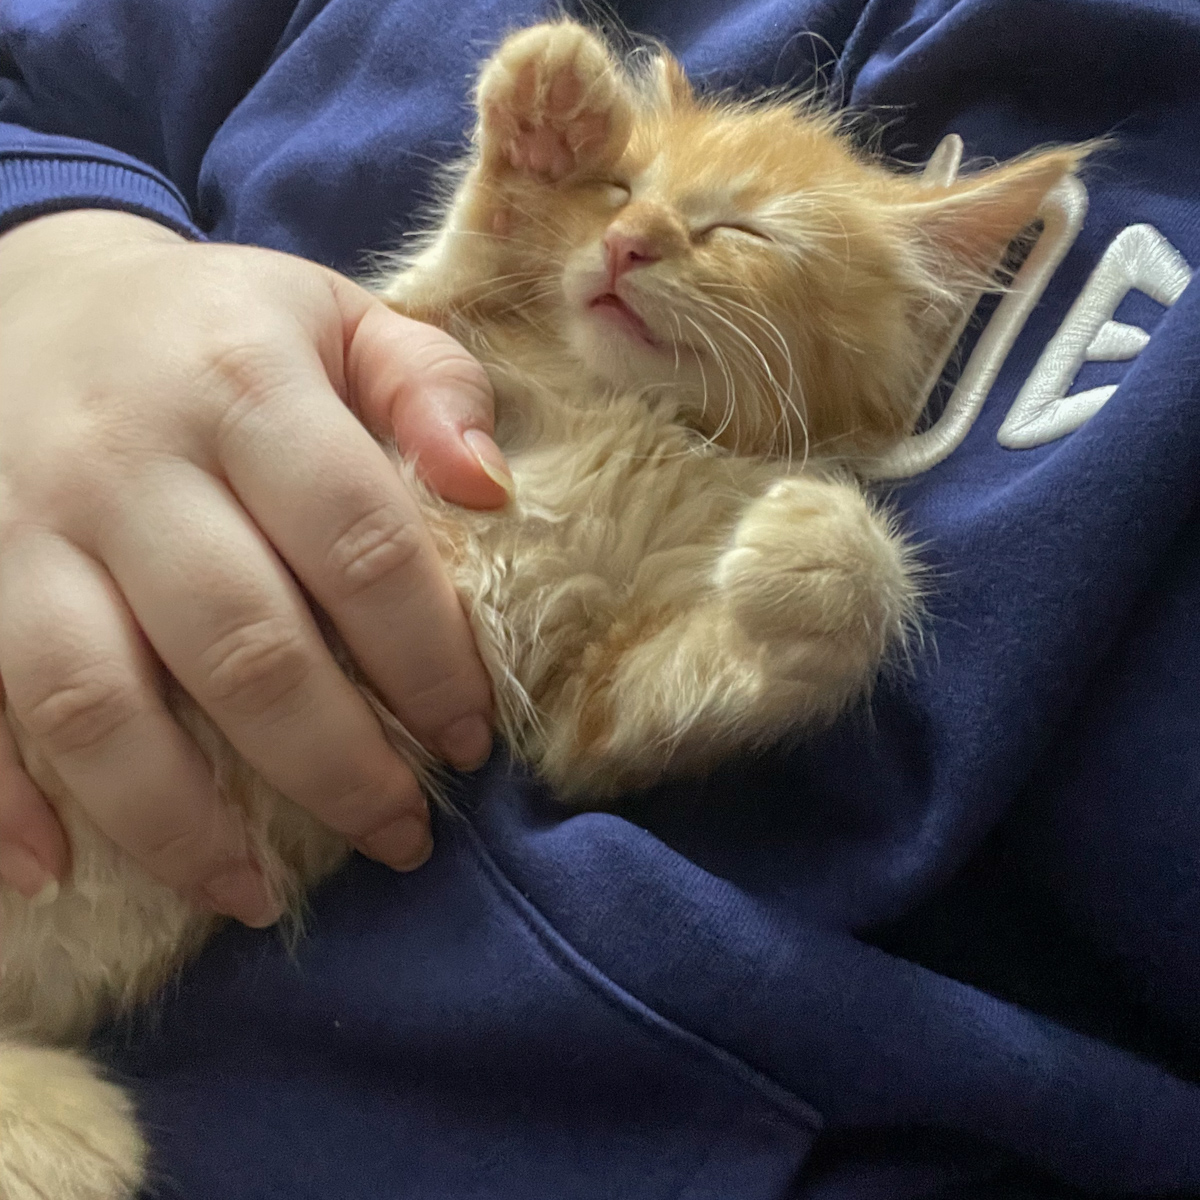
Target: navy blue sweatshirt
952,950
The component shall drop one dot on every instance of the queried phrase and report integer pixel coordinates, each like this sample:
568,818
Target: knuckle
436,356
83,712
257,667
247,373
377,547
241,363
459,370
66,484
363,811
179,855
437,704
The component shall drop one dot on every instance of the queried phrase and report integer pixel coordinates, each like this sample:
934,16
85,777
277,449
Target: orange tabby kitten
689,309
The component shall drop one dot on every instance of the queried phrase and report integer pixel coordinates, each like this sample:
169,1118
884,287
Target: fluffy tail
65,1134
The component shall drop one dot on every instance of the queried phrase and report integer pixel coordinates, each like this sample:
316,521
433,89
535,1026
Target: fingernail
467,743
22,871
404,845
487,455
241,892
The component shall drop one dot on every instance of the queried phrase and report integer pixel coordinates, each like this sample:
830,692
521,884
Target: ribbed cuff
33,183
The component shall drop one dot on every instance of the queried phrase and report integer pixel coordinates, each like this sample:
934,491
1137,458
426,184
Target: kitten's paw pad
553,103
809,560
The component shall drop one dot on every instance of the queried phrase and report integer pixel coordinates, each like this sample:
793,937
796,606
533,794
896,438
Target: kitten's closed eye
616,192
612,194
734,227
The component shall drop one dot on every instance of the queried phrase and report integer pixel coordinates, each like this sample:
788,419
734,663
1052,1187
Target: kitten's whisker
506,239
703,381
555,230
781,396
794,384
730,414
785,404
491,293
531,296
487,235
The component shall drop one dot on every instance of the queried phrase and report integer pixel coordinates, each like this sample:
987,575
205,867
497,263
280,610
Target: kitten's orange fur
695,314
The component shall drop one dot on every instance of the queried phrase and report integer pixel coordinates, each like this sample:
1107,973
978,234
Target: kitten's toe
553,102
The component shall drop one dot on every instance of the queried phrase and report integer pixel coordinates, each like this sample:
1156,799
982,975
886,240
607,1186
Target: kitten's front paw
811,563
553,102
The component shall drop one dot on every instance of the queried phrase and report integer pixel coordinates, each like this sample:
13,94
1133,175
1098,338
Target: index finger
331,502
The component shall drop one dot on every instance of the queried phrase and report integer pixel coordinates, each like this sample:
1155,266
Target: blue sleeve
113,103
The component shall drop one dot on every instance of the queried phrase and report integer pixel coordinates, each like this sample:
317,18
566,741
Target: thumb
415,383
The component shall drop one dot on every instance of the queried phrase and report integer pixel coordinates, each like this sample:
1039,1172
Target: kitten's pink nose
624,251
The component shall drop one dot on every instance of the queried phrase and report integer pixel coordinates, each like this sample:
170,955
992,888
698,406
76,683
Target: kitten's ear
670,84
972,221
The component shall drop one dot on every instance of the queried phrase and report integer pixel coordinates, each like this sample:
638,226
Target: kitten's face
728,255
789,292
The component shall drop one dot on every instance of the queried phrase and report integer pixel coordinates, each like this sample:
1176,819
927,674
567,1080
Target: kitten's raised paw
811,562
553,102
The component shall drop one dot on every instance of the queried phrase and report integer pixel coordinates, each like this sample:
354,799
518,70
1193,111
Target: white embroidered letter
1062,214
1139,257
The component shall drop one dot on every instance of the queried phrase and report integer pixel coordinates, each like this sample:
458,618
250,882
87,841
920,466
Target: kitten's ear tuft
973,220
671,87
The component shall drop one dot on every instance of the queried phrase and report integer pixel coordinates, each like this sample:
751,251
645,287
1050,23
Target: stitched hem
33,184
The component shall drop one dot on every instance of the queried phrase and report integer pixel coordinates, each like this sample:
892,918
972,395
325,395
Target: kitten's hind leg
65,1134
779,630
821,578
553,102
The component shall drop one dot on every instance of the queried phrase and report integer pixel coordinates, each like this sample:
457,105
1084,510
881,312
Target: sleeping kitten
697,315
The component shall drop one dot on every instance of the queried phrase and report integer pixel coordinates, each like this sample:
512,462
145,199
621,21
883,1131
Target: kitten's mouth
612,308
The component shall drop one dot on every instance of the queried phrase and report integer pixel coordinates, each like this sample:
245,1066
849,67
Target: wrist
28,249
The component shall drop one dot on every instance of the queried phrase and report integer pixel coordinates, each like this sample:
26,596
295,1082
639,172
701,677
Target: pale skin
187,432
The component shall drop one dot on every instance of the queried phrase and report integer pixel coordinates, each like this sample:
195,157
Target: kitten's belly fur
618,516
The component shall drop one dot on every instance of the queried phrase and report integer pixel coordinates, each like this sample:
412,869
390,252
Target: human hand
181,443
